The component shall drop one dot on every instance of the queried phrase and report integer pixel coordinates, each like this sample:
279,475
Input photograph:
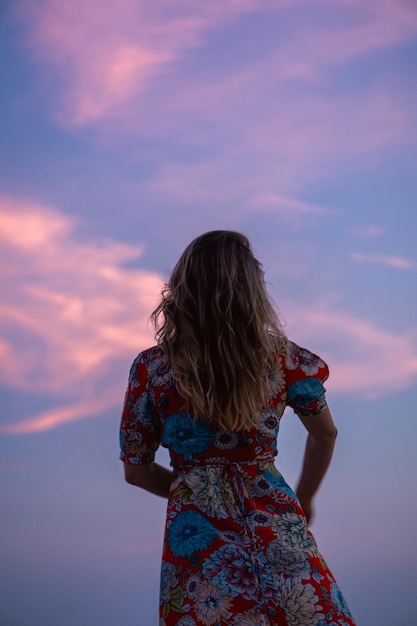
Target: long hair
219,330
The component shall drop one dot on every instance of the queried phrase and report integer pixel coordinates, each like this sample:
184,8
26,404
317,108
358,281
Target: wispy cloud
327,39
369,232
277,203
61,415
70,313
360,353
388,260
109,53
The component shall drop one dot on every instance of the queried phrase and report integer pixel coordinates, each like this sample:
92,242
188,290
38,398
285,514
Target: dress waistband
222,462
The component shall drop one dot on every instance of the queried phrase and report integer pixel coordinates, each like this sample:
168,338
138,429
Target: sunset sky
128,127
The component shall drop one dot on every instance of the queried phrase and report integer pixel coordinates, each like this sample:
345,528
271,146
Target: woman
237,549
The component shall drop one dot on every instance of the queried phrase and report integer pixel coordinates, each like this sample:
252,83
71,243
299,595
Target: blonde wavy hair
219,330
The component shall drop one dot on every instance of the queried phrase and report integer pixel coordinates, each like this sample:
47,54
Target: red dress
237,550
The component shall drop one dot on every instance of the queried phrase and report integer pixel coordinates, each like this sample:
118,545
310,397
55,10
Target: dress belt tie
220,462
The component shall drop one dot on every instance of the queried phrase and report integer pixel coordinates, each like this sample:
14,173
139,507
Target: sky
127,129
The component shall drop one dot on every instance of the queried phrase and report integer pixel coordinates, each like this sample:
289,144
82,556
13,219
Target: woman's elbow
130,479
329,435
332,434
325,436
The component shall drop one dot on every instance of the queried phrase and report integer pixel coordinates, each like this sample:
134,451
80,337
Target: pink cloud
267,159
396,262
71,311
360,354
278,203
370,232
330,39
61,415
107,52
111,53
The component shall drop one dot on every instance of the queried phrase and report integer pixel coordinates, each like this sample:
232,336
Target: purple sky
130,127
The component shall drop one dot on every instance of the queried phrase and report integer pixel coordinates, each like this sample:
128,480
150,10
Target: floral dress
237,550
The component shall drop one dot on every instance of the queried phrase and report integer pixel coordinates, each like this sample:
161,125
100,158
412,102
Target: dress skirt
237,551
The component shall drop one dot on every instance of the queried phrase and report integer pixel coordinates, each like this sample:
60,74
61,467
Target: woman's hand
307,506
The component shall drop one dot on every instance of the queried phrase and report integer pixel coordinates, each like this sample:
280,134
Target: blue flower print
139,406
302,392
338,599
159,372
316,574
134,374
190,532
185,435
143,415
275,479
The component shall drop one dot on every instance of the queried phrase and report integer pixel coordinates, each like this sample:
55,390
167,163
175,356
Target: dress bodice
156,414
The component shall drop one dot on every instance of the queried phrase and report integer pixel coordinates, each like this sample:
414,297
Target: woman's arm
321,438
150,476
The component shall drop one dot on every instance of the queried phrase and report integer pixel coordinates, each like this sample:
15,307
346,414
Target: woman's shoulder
301,359
152,366
149,359
150,354
278,343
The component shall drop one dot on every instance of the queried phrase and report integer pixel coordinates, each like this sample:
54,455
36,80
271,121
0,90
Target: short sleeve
139,428
305,373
